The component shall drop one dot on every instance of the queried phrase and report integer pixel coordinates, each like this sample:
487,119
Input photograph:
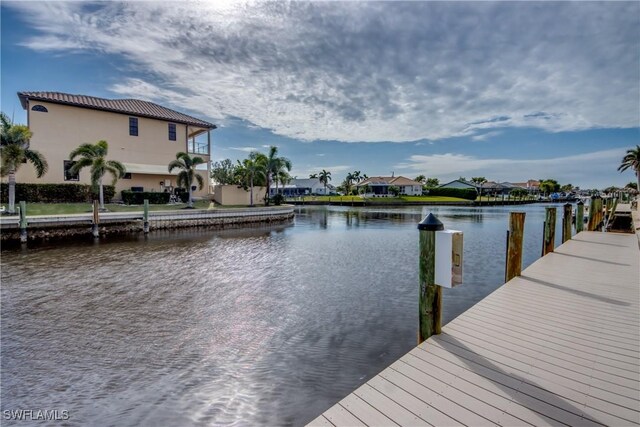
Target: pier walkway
559,345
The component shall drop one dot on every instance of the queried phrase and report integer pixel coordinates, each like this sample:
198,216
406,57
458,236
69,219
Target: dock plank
559,345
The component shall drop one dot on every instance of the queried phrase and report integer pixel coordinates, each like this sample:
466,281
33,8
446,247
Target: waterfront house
142,135
379,186
531,185
461,183
302,187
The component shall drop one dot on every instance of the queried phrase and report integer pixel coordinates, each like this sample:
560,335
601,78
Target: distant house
489,187
302,187
460,183
531,185
379,185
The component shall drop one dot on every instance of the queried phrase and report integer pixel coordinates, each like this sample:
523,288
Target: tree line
257,170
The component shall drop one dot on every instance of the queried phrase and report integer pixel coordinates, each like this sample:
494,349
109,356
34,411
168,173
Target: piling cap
581,203
430,223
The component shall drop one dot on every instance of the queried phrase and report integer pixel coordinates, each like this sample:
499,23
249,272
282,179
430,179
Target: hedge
55,193
138,197
463,193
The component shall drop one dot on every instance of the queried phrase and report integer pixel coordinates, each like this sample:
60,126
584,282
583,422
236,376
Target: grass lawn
401,199
75,208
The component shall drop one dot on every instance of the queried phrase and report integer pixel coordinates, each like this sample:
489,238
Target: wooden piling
430,299
515,236
549,235
591,221
579,216
598,214
23,222
145,219
95,226
566,222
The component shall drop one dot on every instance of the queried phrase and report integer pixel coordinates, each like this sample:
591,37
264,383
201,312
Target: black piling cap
430,223
580,203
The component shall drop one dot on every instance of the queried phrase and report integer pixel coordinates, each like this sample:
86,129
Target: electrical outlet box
448,259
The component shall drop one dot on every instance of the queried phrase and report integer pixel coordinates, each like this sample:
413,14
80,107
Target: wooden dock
559,345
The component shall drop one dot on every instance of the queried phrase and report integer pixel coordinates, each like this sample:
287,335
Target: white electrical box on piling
448,258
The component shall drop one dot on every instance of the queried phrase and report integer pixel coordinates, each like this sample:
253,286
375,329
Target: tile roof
134,107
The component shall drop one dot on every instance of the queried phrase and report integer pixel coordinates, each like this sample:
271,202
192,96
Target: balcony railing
198,148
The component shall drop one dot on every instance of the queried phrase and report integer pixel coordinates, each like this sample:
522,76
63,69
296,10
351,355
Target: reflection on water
266,325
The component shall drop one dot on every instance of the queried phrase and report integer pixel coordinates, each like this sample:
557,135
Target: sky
506,90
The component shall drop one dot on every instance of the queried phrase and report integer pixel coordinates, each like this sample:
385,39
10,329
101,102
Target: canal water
260,326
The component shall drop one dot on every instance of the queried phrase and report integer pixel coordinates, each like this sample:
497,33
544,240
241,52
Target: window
67,176
40,108
127,175
133,126
172,131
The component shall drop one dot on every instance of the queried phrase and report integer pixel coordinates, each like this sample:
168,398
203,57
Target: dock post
145,223
599,214
23,222
566,223
95,226
515,236
430,299
549,236
579,216
592,214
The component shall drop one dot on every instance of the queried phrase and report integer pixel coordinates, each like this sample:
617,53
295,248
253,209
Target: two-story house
142,135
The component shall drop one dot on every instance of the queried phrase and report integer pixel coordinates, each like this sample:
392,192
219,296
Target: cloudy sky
506,90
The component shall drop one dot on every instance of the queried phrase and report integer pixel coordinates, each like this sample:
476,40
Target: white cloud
581,169
244,149
487,135
374,71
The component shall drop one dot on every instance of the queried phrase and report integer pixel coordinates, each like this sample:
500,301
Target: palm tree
93,156
431,182
313,176
421,179
187,174
348,180
15,151
479,180
325,177
273,166
252,168
632,160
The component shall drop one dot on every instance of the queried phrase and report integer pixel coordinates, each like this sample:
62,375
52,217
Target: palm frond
183,180
97,172
177,164
197,161
12,158
80,164
86,150
38,161
118,167
200,180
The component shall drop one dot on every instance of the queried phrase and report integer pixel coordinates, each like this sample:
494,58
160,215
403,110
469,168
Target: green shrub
463,193
55,193
138,197
278,199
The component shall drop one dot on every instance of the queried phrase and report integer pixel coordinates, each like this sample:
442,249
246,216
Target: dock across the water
559,345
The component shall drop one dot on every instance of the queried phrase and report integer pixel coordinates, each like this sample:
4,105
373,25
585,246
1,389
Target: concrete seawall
78,225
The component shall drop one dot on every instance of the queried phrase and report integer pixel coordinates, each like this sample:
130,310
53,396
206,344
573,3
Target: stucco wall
63,128
232,195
